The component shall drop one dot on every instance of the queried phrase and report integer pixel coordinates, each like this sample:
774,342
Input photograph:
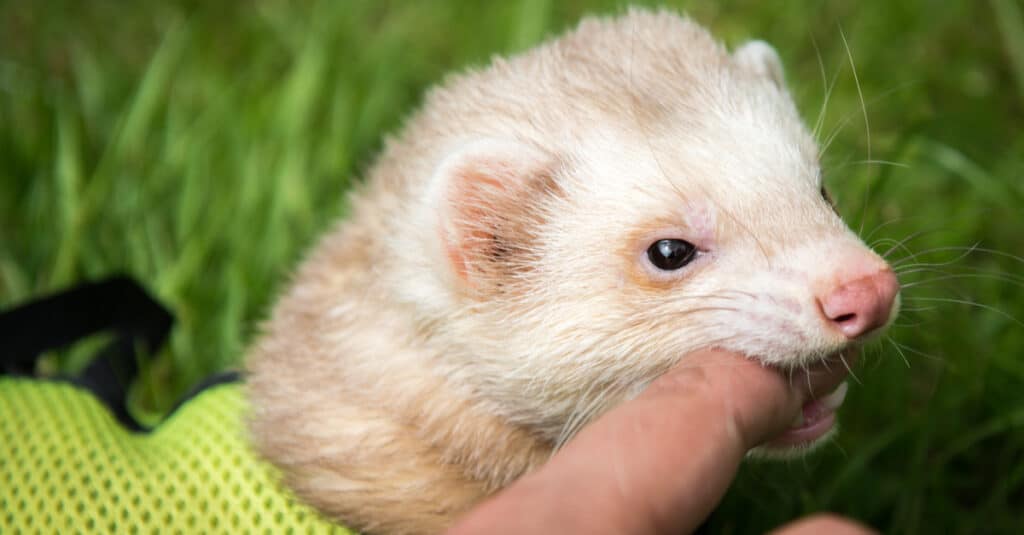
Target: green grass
202,147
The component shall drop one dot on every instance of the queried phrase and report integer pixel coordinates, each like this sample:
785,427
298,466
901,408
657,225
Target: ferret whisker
714,343
826,86
962,250
868,359
968,302
917,309
898,350
895,244
926,268
902,263
751,295
984,276
675,315
835,133
902,243
960,270
909,349
883,241
849,370
578,416
882,225
723,295
593,409
874,162
973,249
845,119
570,423
914,278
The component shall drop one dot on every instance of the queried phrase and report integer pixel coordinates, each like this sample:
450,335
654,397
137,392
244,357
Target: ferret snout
860,304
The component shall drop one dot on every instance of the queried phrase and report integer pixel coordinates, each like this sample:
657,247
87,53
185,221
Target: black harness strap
139,323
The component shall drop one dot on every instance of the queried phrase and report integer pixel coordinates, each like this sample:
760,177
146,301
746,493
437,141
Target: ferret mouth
817,418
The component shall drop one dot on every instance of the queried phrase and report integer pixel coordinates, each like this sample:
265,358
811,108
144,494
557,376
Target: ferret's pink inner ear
482,187
473,200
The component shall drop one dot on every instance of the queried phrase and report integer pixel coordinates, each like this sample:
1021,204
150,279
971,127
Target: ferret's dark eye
670,255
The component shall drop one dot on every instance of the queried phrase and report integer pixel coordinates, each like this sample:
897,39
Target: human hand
660,463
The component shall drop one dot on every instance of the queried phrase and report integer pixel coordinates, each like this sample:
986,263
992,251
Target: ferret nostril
845,318
859,306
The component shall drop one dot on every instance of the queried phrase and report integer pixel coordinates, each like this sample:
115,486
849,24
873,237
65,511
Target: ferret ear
489,194
761,58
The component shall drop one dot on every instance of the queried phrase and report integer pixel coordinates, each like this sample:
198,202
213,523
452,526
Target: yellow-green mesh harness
66,466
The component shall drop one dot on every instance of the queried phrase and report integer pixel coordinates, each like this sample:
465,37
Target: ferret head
607,203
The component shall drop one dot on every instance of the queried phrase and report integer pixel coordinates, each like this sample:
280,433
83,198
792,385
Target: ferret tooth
834,400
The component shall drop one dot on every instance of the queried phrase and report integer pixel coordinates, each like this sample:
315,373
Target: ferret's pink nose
862,305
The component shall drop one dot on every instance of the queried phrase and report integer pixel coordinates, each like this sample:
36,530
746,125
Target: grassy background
202,146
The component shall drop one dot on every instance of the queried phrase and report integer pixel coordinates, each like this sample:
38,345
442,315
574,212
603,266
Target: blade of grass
1010,21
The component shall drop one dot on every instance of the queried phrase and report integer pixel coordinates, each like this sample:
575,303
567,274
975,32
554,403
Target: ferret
546,236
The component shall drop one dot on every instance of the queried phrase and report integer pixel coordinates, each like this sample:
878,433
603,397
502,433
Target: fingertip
754,399
824,523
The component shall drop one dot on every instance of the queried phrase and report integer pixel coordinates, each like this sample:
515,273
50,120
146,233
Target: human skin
661,462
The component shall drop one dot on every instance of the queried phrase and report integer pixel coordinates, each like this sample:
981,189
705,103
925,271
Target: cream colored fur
489,292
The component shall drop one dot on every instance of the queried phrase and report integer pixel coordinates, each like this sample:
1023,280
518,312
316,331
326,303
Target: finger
824,523
656,464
